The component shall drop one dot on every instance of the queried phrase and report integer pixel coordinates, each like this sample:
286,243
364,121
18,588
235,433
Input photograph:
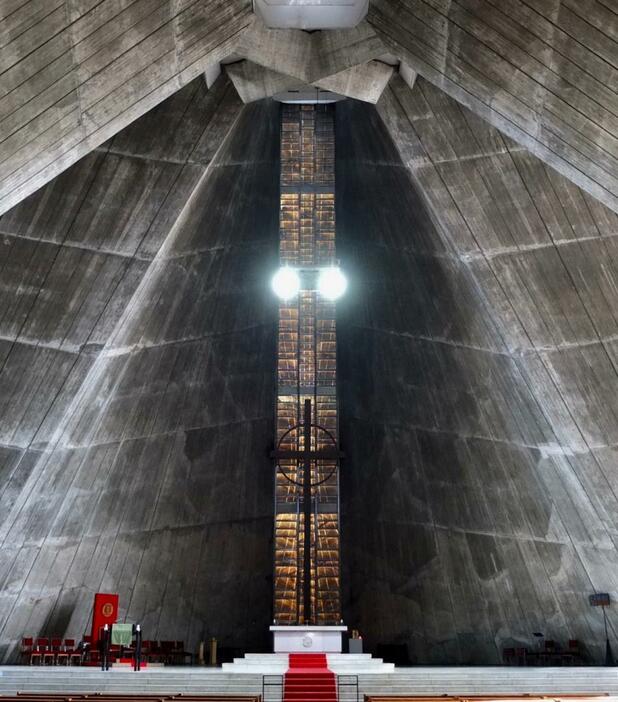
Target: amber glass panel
306,367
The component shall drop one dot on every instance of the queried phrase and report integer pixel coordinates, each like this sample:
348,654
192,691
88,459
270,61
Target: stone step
400,681
342,662
285,656
436,673
339,663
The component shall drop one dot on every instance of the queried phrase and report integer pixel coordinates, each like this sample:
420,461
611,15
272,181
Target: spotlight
286,283
332,283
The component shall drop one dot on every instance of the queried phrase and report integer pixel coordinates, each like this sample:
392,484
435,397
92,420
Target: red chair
147,651
156,652
574,654
27,647
167,651
40,648
64,652
508,656
521,655
74,655
49,656
548,656
180,654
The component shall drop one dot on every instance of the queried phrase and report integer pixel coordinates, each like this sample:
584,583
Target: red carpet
308,679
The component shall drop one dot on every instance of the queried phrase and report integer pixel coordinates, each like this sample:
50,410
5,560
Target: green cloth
122,634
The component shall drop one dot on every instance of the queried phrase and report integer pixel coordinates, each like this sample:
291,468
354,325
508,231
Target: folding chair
40,647
49,656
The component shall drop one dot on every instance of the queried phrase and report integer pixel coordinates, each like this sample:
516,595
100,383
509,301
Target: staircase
400,681
339,663
170,680
309,679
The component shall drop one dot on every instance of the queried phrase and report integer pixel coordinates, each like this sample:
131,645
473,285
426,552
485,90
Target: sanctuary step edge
402,681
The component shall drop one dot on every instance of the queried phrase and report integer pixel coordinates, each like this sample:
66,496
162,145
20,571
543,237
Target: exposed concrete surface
366,81
545,73
309,56
75,73
254,82
476,356
138,380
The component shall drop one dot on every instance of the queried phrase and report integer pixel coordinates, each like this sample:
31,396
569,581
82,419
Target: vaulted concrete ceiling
544,72
363,82
478,375
343,61
136,345
74,73
123,269
135,329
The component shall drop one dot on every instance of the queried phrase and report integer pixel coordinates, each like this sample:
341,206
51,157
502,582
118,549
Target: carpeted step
309,679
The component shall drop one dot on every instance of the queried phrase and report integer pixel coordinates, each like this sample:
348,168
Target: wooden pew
525,697
115,698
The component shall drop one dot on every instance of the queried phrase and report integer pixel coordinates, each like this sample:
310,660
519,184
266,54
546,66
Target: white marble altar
307,639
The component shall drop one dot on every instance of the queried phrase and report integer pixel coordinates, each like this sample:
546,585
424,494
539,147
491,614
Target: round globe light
286,283
332,283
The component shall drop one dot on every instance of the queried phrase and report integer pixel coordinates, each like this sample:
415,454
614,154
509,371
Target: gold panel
307,366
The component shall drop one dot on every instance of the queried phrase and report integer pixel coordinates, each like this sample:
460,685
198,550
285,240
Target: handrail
271,681
347,682
350,681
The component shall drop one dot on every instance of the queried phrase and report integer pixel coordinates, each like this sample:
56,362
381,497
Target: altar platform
339,663
433,681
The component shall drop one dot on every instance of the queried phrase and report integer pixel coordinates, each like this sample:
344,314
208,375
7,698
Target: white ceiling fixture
311,14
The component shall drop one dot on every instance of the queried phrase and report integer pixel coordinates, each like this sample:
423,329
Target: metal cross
307,456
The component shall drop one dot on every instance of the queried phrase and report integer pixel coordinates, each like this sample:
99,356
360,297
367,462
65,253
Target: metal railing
272,688
347,688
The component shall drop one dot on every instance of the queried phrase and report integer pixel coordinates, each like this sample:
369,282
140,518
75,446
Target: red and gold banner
105,611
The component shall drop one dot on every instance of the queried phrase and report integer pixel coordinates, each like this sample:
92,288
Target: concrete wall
542,72
477,366
75,73
139,368
473,514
